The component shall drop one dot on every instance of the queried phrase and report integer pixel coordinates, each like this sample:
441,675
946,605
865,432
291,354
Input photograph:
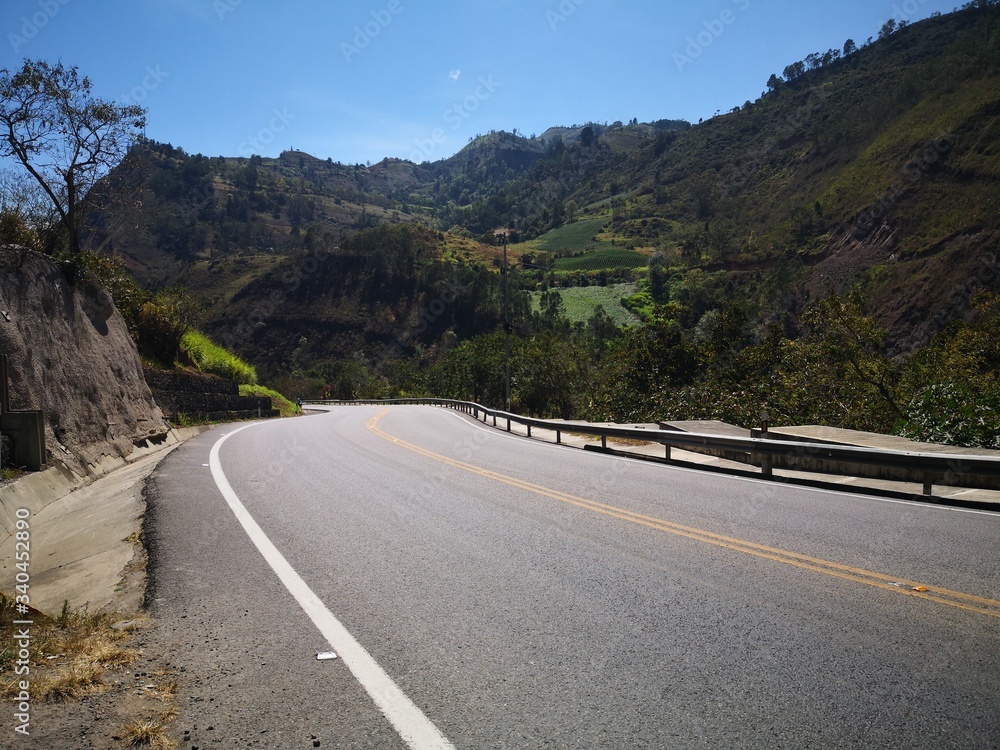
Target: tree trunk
74,237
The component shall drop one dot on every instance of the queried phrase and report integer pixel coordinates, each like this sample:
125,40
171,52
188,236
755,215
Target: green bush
156,321
212,358
951,413
160,327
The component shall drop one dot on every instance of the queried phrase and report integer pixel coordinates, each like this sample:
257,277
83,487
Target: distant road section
511,593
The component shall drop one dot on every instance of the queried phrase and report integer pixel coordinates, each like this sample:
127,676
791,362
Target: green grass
881,166
572,237
209,357
581,301
610,259
278,401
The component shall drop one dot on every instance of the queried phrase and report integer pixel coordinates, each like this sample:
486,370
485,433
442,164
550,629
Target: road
487,591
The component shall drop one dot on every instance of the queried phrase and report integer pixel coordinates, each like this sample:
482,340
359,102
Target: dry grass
76,655
629,441
167,690
71,683
150,733
70,654
161,684
112,655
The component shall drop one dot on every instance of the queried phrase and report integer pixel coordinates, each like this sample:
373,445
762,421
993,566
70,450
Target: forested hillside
828,250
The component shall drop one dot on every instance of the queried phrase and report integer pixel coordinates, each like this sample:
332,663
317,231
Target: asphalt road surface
482,590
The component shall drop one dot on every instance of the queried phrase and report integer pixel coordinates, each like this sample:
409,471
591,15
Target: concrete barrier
83,529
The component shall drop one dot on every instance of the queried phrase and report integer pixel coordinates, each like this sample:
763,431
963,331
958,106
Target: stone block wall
202,396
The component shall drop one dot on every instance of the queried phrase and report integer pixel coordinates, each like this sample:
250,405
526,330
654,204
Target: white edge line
412,725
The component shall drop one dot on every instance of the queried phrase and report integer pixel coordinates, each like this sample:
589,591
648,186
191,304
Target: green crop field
610,258
581,301
574,237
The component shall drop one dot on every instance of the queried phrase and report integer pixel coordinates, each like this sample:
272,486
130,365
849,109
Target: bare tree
65,138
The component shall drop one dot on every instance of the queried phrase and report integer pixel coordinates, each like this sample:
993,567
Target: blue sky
358,80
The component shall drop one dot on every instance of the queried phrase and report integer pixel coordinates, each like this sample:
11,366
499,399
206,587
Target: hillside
164,209
384,294
867,172
877,168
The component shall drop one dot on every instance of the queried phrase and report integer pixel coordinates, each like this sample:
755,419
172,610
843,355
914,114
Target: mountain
875,168
869,169
164,209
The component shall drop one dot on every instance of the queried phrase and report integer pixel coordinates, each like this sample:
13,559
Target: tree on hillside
64,137
837,371
793,71
887,29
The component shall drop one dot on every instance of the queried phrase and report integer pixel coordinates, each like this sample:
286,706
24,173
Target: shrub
160,327
157,322
951,413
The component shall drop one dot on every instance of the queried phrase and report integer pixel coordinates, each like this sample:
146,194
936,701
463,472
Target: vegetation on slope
209,357
828,251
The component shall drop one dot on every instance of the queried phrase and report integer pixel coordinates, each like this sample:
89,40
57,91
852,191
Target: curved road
485,591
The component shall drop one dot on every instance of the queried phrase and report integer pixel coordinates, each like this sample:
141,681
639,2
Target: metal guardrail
928,469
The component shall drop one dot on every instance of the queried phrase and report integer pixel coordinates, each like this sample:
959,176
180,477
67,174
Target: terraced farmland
610,259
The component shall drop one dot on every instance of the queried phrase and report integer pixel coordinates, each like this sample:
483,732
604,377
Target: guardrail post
494,420
604,441
529,430
928,484
558,437
766,465
508,424
667,452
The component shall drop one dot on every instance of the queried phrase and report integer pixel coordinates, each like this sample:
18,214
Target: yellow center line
961,600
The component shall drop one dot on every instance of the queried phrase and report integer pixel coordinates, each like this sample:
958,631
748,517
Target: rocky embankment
70,354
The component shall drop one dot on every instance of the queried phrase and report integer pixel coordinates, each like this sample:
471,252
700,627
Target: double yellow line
968,602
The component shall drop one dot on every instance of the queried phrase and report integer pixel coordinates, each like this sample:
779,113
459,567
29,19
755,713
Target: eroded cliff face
70,353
